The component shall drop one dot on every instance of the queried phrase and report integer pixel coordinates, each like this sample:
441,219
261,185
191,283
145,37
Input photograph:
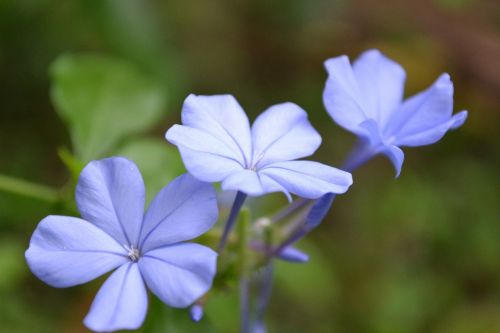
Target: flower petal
182,210
381,82
222,117
374,138
121,303
111,194
283,133
433,134
425,111
252,183
370,134
458,119
67,251
179,274
396,156
308,179
205,157
293,254
342,97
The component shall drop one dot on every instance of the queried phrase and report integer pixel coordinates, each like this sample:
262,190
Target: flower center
255,161
133,253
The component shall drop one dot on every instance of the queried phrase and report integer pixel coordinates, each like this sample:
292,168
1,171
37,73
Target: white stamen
133,253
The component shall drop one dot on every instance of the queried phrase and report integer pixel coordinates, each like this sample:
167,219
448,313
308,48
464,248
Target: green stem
28,189
243,270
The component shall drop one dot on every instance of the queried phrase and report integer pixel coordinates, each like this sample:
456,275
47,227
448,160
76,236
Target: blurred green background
416,254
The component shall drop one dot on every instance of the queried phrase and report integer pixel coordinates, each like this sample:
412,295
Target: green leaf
158,161
144,43
103,101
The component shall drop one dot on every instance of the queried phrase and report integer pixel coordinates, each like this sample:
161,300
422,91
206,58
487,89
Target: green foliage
103,101
14,310
18,212
313,282
145,41
222,311
11,267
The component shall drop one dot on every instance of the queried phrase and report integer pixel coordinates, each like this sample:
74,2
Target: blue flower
367,99
217,144
145,249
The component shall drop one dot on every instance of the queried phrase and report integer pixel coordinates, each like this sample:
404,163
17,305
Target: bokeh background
416,254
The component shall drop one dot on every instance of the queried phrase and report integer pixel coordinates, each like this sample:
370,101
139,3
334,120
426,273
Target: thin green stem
243,271
28,189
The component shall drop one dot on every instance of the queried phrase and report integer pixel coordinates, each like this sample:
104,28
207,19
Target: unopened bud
291,254
196,313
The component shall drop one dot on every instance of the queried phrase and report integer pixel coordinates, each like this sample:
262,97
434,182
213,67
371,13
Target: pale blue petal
252,183
111,194
373,137
207,167
308,179
67,251
458,119
381,82
370,133
342,97
396,156
283,133
179,274
121,303
426,110
292,254
201,141
182,210
246,181
222,117
431,135
205,157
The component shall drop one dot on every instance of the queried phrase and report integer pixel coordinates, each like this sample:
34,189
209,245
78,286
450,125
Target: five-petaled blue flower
367,99
217,144
148,249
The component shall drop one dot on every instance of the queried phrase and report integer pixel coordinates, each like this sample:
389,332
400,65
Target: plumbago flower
217,144
147,249
367,99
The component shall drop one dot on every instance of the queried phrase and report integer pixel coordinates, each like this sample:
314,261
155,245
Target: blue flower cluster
151,250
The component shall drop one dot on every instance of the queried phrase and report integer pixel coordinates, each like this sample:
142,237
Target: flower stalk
243,270
233,215
28,189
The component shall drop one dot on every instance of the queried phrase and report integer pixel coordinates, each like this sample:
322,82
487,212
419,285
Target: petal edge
67,251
